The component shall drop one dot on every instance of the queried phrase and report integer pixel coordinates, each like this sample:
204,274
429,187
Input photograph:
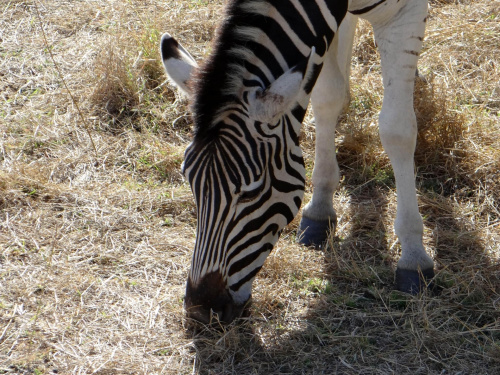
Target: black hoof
414,282
314,233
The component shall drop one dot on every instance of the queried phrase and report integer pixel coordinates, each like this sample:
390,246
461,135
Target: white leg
400,41
329,97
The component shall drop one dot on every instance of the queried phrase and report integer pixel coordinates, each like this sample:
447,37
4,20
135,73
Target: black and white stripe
258,42
249,98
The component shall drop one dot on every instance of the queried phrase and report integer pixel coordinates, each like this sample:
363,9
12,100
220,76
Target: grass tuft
115,91
148,64
94,251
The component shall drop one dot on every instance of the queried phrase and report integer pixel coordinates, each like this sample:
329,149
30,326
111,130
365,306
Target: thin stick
87,128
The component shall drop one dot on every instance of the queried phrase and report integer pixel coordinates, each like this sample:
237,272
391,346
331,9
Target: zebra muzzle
209,301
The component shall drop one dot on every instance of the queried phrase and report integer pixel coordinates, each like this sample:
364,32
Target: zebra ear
178,63
268,105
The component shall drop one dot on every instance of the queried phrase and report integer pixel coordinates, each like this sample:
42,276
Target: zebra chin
209,301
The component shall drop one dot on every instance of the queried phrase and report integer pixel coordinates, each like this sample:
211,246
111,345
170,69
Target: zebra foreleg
318,216
329,97
400,41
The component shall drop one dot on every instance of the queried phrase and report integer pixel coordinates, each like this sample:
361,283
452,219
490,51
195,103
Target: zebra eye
250,195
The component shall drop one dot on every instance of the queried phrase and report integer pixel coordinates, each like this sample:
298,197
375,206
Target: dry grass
94,249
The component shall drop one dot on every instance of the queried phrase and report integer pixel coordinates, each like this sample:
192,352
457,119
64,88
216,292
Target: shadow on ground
356,324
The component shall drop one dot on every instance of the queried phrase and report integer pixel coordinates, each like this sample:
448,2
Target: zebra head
246,173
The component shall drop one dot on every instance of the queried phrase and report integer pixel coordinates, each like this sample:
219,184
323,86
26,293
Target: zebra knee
398,130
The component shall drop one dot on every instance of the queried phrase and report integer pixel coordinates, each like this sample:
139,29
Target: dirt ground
97,224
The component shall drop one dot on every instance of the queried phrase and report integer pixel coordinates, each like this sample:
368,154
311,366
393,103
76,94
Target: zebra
245,165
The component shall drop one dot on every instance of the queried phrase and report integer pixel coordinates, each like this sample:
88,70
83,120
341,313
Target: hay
94,250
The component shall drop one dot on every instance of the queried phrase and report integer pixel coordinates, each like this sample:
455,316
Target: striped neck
246,54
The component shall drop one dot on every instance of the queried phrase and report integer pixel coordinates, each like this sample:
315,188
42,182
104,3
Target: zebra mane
217,81
246,52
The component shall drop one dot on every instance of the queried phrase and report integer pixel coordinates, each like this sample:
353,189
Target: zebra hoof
414,282
313,232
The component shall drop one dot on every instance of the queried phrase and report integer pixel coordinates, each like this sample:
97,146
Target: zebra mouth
209,302
211,317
